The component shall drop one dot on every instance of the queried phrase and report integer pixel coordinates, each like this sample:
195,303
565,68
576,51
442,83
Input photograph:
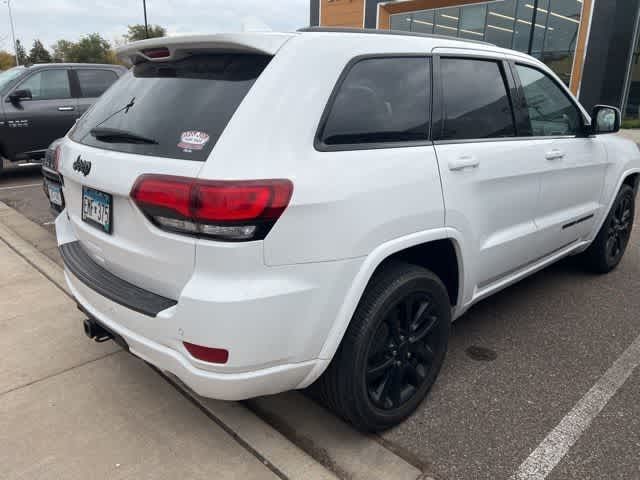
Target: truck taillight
224,210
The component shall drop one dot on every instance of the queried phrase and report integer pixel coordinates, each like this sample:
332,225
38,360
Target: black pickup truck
40,103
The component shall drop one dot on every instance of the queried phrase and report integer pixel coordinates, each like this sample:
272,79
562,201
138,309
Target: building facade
593,45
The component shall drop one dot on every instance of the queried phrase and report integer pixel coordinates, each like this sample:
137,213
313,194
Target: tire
608,248
381,348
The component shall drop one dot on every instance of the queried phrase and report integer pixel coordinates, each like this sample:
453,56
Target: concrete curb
301,439
338,446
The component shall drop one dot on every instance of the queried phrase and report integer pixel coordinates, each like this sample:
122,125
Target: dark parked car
40,103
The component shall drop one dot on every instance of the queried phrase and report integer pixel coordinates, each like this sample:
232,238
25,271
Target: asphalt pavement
520,364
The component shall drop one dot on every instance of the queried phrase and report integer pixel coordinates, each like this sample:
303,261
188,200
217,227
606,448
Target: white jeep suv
255,212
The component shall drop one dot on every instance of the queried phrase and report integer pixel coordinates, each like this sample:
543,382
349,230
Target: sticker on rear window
193,140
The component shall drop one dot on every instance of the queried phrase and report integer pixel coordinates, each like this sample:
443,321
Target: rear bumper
222,386
273,321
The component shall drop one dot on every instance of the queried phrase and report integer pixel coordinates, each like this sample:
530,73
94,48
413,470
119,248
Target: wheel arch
633,180
626,178
400,248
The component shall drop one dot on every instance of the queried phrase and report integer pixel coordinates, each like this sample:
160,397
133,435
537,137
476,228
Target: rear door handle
554,154
462,162
66,109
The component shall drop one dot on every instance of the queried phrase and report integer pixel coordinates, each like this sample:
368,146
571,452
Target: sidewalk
70,408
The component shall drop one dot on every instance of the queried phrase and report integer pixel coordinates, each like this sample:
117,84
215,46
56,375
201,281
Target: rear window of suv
381,101
175,109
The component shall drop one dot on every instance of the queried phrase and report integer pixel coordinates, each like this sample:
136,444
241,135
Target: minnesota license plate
97,209
55,194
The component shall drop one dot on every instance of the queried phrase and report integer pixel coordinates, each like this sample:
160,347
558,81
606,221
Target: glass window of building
540,31
423,21
522,28
447,21
508,24
500,23
401,22
472,22
561,36
632,110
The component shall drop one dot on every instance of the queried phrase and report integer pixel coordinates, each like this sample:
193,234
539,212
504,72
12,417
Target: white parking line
16,187
558,442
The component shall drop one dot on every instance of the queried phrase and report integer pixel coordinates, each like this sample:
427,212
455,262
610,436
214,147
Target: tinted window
550,111
183,106
93,83
475,100
381,100
9,75
47,85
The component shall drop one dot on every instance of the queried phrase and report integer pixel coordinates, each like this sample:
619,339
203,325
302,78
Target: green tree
21,53
90,49
137,32
61,50
38,53
7,60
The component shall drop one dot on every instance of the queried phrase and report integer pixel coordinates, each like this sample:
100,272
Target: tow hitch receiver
98,332
94,330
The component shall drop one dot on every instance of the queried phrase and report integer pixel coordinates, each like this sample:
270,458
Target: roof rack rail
375,31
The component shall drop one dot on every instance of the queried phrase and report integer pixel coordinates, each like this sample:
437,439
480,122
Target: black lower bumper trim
108,285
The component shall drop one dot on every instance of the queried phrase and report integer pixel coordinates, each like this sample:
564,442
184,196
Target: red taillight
161,52
207,354
57,156
226,210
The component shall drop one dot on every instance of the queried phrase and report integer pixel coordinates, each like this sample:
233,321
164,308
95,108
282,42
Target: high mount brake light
161,52
235,210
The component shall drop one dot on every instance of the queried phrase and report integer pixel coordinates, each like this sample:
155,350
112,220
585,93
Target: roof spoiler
173,48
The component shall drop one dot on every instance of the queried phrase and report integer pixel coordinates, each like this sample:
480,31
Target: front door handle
66,109
462,162
554,154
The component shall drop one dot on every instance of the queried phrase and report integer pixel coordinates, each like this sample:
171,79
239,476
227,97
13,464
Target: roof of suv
101,65
373,31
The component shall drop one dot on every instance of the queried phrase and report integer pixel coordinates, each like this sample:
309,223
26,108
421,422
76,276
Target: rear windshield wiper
113,135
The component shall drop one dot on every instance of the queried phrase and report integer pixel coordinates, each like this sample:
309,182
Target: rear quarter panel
344,203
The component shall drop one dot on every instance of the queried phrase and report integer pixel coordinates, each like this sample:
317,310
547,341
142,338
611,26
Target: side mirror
605,119
18,95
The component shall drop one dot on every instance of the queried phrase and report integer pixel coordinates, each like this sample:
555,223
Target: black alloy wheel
392,351
402,351
609,246
619,228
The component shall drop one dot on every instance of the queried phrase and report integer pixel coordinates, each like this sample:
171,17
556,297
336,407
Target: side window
93,83
551,113
476,104
47,85
381,100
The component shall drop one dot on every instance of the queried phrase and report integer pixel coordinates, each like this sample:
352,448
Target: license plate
55,194
97,209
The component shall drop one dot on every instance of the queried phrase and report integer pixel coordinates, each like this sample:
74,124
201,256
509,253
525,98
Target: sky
51,20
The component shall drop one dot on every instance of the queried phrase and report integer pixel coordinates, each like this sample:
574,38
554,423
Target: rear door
48,115
490,176
161,118
92,83
573,165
